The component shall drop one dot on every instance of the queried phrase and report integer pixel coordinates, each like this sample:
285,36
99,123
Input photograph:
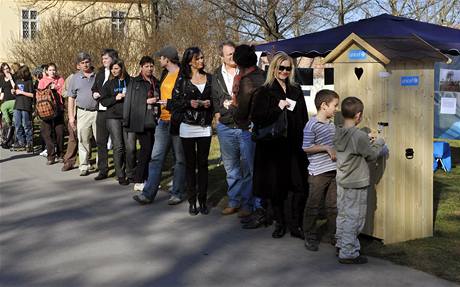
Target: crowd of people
281,167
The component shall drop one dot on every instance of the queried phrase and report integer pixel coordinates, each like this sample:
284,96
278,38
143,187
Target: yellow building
20,19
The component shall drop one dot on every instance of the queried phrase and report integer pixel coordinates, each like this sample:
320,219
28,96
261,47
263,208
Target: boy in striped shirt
318,138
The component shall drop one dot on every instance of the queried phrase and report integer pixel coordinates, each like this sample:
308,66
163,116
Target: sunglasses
285,68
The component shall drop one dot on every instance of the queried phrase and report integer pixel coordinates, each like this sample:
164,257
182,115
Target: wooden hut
394,77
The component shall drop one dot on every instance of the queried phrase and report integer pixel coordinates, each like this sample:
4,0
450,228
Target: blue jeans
23,119
163,142
237,150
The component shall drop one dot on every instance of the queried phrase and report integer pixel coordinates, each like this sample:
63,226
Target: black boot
280,230
192,210
203,207
7,141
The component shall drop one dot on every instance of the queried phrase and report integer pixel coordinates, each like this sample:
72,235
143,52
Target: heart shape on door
359,72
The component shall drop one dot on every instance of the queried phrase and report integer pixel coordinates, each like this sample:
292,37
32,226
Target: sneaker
138,187
358,260
311,245
142,199
84,173
44,153
173,200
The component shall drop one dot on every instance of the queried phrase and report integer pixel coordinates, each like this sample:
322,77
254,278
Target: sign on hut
394,77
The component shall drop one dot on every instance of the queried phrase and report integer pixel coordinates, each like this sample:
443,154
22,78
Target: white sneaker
44,153
138,186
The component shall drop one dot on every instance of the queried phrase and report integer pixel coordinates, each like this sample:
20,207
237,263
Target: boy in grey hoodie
354,150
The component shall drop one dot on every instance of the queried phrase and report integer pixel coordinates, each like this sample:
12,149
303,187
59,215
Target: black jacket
184,91
108,97
135,104
219,95
280,160
248,84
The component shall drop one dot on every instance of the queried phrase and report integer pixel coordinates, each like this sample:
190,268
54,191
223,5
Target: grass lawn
440,254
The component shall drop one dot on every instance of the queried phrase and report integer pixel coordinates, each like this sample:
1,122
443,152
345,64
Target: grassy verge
438,255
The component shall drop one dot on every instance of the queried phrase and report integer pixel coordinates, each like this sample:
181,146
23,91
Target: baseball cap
169,52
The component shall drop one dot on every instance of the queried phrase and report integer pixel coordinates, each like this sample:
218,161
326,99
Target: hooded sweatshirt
354,150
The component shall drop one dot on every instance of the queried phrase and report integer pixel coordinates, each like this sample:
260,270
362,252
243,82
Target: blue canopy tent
447,40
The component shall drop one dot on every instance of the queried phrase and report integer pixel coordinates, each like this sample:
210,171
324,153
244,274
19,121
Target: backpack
46,106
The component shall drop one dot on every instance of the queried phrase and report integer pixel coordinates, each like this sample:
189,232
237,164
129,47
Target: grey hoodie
354,150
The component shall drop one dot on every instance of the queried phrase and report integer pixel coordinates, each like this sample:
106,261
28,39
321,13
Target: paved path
60,229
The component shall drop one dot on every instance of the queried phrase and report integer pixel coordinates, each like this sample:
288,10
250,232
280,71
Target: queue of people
280,166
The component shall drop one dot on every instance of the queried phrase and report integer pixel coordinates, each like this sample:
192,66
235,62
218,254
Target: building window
118,22
29,26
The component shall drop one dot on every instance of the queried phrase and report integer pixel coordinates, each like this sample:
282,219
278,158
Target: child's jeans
23,119
352,208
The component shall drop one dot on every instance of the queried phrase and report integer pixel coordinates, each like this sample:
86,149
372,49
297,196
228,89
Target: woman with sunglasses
192,114
112,97
278,163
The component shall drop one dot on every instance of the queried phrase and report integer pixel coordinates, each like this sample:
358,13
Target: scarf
236,83
151,92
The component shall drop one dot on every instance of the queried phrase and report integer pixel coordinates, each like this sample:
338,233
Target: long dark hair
2,66
185,68
23,73
121,64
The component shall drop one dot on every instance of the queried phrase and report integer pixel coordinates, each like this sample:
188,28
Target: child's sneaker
358,260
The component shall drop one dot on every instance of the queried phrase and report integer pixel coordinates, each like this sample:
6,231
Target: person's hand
96,95
72,123
282,104
13,91
53,87
332,153
151,101
206,104
19,92
119,96
195,104
227,104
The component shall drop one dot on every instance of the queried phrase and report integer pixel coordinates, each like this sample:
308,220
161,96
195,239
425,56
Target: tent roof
386,50
447,40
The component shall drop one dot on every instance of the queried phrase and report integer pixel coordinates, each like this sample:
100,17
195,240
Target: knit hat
245,56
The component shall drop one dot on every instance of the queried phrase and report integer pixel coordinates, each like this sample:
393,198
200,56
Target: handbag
149,119
276,130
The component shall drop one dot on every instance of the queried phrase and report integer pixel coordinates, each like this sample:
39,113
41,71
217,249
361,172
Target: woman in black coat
278,162
112,97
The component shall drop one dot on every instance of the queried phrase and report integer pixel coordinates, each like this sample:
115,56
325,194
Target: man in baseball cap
169,61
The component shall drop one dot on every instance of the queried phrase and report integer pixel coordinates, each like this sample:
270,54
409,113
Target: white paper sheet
292,104
448,106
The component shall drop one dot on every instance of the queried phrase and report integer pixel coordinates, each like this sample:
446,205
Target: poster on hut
447,100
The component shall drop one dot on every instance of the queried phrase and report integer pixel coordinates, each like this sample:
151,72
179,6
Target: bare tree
268,20
445,12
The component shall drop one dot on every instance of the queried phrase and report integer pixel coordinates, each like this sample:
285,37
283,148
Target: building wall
11,10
